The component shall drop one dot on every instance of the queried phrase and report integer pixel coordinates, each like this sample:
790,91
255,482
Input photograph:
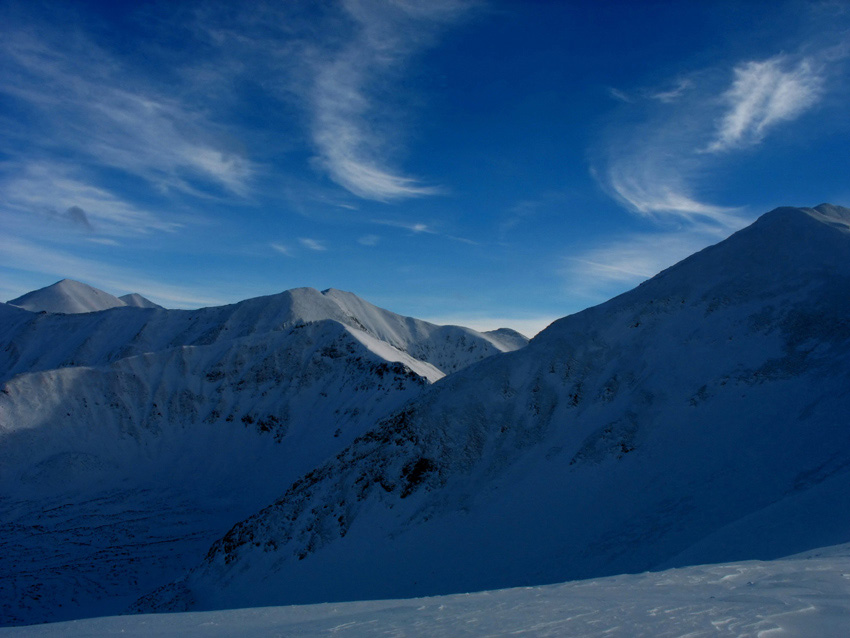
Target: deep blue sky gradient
498,163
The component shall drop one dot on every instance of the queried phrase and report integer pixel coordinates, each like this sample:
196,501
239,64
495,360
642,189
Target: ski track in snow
806,597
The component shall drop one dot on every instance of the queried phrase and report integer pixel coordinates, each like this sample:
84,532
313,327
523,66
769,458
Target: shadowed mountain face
130,439
700,417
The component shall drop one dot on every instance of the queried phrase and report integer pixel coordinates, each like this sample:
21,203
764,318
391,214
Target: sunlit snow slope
798,597
131,438
71,297
701,417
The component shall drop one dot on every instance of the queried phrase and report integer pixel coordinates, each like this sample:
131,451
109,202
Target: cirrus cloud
764,94
353,136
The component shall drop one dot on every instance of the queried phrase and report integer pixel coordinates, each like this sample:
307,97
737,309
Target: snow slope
74,297
797,597
30,342
131,439
136,300
700,417
67,296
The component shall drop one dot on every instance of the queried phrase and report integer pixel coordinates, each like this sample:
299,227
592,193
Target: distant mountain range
701,417
131,438
72,297
337,451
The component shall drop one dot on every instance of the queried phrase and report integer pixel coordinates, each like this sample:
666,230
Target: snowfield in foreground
806,595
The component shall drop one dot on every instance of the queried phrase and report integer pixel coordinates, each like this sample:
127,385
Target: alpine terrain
131,438
701,417
70,297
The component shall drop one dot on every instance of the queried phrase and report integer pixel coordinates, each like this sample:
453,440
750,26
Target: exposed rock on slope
31,342
700,417
131,438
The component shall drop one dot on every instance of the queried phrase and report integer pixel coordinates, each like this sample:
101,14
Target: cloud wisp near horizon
657,167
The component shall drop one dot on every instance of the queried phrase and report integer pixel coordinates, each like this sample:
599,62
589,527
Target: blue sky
483,163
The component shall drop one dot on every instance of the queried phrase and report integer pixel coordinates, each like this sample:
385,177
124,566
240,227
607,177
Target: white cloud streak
414,227
282,249
418,228
369,240
353,137
45,188
655,167
658,191
312,244
88,103
629,260
682,86
762,95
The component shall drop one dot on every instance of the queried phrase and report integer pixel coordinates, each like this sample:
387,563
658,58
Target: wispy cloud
282,249
763,94
656,189
614,265
312,244
620,95
82,102
671,95
105,241
414,227
657,161
40,189
369,240
353,135
650,162
654,173
422,228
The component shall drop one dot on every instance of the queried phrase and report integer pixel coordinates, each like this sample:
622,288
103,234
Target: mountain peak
829,214
67,296
136,300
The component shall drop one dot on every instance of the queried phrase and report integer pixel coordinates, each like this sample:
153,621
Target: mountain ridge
68,296
31,342
145,433
602,447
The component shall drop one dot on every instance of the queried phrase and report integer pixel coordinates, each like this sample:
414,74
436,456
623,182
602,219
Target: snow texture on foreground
806,595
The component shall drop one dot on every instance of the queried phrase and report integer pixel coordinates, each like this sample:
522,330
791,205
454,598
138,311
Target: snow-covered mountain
701,417
74,297
131,438
30,342
136,300
69,297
